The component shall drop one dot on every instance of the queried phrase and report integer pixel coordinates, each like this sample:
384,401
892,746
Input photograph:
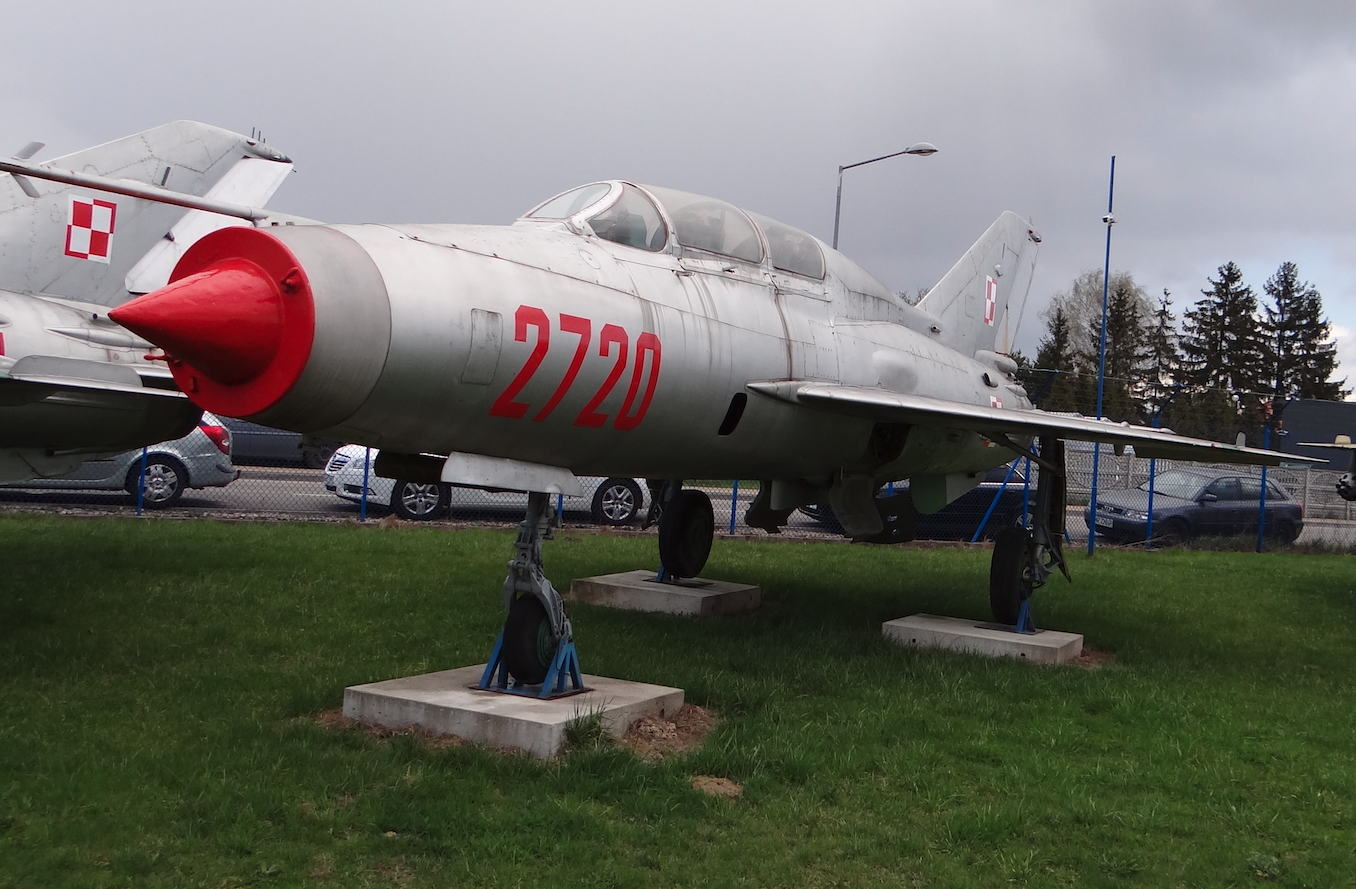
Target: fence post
367,467
141,482
1262,498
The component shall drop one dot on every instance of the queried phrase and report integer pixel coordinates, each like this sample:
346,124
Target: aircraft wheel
617,502
166,479
686,530
419,503
528,646
1010,574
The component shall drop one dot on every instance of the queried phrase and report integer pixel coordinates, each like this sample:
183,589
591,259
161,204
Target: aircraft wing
895,407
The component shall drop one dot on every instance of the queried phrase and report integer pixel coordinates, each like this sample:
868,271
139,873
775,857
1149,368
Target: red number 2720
613,344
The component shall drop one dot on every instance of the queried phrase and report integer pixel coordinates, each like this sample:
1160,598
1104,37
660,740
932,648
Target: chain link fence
269,476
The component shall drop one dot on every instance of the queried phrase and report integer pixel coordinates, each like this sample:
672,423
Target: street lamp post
920,149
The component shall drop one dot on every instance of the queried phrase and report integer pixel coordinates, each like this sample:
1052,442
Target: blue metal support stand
562,677
1025,625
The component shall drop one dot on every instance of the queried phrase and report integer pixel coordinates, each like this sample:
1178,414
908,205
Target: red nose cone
226,321
237,321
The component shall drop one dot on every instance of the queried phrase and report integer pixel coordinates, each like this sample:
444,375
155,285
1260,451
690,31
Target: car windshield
1176,484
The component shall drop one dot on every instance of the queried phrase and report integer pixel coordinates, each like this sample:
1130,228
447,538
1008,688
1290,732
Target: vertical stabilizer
80,243
972,300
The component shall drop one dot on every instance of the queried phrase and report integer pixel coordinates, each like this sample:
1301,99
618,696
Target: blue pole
1262,498
1101,357
1012,467
1149,514
734,503
1026,494
141,482
367,465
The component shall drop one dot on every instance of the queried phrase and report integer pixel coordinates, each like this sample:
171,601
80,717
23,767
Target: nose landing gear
535,654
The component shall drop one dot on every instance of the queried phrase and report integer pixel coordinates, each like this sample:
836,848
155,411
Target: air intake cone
237,321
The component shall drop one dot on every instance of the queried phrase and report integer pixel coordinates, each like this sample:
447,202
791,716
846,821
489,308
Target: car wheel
528,646
616,502
1174,533
166,479
420,503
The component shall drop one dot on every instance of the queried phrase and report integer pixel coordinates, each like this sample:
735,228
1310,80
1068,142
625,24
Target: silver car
201,459
610,501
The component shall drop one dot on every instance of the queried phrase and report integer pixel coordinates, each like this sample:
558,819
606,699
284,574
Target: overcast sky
1230,120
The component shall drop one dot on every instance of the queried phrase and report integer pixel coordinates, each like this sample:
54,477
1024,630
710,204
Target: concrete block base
448,703
639,591
992,640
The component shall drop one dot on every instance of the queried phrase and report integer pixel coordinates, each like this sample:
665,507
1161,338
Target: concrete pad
992,640
448,703
639,591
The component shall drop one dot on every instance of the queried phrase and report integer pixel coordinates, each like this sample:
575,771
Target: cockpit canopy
628,214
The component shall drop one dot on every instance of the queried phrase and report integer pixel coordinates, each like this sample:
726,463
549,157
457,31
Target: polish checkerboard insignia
89,228
995,401
990,300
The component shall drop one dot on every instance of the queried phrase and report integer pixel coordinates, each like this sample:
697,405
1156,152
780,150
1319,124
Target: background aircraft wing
894,407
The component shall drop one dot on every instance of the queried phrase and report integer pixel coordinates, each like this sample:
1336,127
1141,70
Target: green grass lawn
159,682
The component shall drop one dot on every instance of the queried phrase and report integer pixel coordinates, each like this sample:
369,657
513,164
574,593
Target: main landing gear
687,527
1024,560
535,654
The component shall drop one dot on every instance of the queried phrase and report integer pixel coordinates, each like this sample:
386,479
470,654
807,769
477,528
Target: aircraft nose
226,321
236,322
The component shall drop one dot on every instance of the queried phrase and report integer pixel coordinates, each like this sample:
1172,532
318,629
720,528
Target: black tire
686,531
617,501
420,503
166,480
1009,574
528,645
1174,533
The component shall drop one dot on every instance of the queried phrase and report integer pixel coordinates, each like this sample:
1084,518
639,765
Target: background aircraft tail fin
980,301
81,243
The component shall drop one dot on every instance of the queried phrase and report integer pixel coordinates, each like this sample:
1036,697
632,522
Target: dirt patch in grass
1091,659
653,737
714,786
335,719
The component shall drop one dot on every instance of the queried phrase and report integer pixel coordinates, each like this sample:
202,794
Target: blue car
1192,503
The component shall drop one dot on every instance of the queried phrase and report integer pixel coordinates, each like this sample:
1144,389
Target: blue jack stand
562,677
1025,625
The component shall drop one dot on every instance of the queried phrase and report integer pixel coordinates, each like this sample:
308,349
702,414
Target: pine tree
1301,355
1124,342
1221,340
1160,357
1053,381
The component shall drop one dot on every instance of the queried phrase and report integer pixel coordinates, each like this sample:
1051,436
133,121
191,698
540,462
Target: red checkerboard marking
990,299
89,228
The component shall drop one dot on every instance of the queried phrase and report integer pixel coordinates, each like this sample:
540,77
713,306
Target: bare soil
653,737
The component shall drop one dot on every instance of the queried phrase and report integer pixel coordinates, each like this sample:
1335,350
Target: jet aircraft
635,330
72,382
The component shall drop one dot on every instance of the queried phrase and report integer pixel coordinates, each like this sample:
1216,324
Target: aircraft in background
638,331
73,383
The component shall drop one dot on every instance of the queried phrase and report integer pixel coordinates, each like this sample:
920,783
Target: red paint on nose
237,321
225,321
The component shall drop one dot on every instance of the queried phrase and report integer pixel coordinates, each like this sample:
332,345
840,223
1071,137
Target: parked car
610,501
201,459
259,445
1196,503
960,518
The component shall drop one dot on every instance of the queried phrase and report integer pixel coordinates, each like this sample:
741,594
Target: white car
610,501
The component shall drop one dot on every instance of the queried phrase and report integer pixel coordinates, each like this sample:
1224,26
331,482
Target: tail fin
81,244
973,299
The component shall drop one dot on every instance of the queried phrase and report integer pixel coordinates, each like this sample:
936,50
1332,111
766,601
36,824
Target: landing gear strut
1024,560
687,527
536,646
